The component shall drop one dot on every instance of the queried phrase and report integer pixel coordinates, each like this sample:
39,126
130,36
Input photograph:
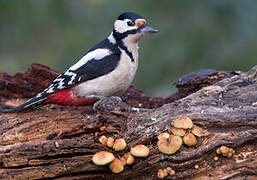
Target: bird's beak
141,24
148,29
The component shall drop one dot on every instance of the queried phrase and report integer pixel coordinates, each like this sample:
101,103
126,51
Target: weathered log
59,142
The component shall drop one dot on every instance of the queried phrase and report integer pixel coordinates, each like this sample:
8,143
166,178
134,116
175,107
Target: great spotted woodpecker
106,70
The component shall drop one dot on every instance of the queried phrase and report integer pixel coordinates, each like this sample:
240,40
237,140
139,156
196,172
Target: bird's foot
102,98
117,98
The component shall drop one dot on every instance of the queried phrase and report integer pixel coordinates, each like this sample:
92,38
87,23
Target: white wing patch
121,26
96,54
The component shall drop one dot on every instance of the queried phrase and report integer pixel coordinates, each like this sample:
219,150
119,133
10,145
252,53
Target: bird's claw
104,98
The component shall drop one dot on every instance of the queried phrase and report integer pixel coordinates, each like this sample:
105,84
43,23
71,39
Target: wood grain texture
59,142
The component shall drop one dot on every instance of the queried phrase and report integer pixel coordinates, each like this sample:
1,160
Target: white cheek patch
96,54
121,26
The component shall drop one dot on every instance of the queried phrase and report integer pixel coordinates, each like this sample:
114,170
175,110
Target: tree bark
59,142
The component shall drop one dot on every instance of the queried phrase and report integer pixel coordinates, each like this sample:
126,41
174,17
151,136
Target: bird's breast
113,83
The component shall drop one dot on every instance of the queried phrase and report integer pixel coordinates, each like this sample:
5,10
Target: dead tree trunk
59,142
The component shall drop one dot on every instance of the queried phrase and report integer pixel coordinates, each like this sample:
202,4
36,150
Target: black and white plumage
106,70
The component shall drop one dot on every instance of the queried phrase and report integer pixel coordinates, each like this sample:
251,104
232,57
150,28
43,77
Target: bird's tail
32,102
63,97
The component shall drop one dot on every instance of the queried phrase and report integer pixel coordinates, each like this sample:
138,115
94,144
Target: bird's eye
130,23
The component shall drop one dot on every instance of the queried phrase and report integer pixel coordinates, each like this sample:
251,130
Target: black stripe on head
119,36
129,15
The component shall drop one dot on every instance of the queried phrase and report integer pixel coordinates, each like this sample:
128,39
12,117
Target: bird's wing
94,64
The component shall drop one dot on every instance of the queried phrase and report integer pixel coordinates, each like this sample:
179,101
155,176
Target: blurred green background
192,35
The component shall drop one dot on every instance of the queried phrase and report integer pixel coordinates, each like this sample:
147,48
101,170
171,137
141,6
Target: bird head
132,27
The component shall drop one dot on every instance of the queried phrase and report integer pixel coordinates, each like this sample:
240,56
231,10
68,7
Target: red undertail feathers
68,98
